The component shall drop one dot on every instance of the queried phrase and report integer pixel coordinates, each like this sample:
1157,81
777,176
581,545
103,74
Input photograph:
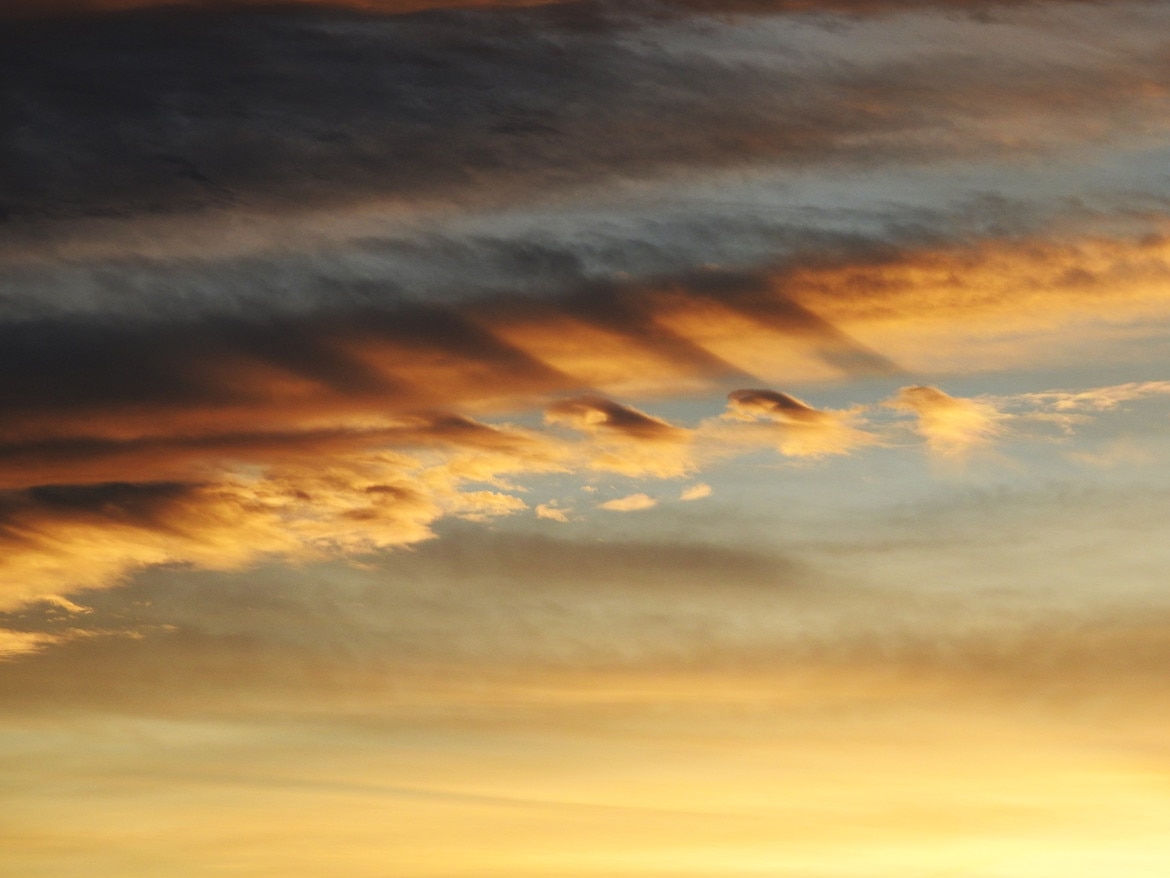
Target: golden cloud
952,427
999,304
631,503
625,440
317,494
552,512
695,492
773,419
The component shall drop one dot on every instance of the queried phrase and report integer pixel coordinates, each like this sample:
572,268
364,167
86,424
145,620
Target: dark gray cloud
88,368
580,11
172,110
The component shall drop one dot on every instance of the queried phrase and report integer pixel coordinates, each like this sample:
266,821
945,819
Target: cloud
594,414
33,9
582,13
998,304
76,390
695,492
67,537
1071,409
1097,399
16,643
952,427
222,444
855,7
625,440
631,503
107,394
796,429
751,405
552,512
483,600
506,105
535,607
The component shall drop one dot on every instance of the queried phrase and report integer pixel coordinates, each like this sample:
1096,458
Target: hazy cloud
696,492
631,503
552,512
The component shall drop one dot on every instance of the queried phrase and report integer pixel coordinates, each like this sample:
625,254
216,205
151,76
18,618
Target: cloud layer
175,110
584,438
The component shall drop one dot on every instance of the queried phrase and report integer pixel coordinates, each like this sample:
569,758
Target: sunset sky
604,439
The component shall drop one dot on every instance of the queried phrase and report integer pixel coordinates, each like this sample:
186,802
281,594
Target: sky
649,439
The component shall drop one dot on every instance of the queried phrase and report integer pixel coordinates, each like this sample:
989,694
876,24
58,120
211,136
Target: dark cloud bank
174,109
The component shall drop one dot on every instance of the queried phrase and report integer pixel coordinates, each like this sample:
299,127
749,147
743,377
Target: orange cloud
552,512
65,538
752,405
14,643
625,440
999,304
794,428
62,538
631,503
234,500
952,427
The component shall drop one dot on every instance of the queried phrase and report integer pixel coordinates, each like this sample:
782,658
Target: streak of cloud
629,503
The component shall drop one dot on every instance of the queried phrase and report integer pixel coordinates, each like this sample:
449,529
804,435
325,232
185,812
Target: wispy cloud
696,492
630,503
553,512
